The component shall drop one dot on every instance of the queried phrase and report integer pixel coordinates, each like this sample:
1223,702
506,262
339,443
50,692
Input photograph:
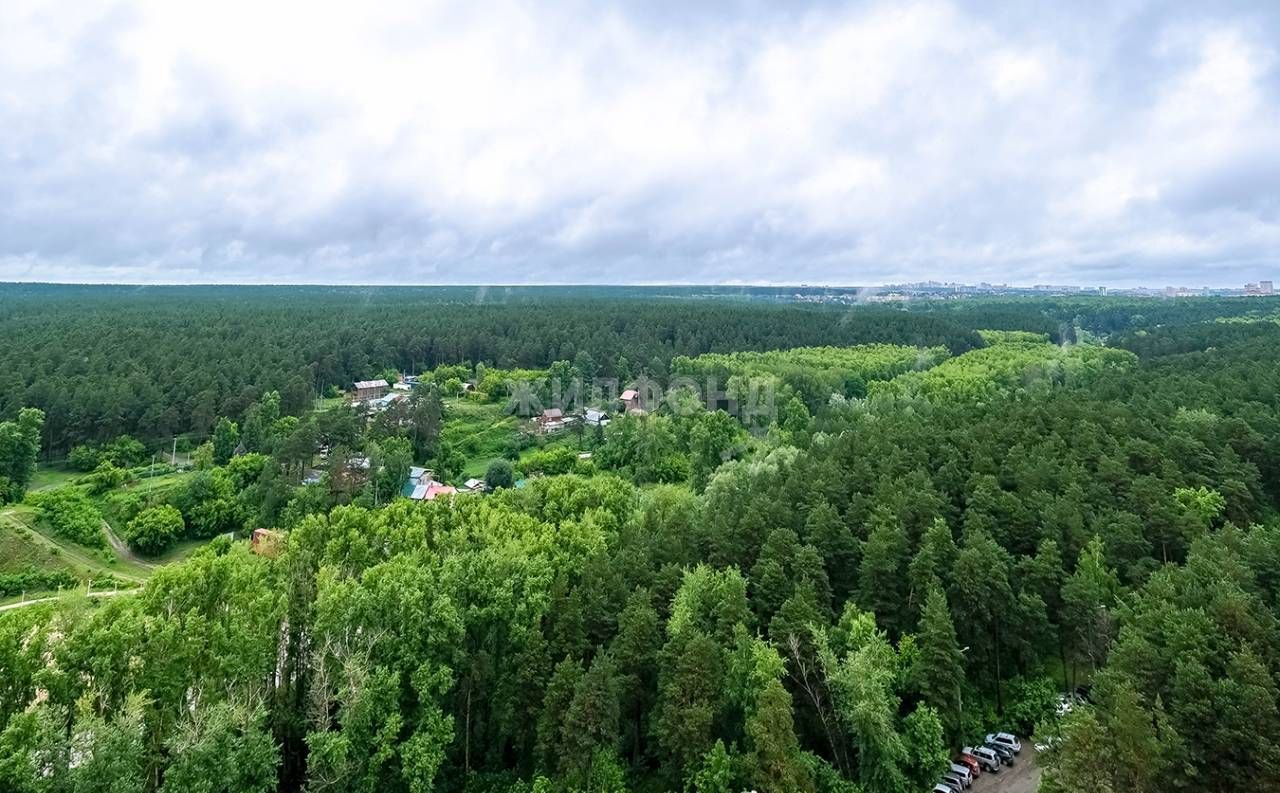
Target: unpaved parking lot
1022,777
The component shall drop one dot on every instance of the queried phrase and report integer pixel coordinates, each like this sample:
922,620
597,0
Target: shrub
500,474
154,529
33,579
105,477
124,505
125,452
85,457
1031,701
555,460
71,514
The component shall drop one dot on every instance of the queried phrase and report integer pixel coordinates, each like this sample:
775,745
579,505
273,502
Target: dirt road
122,548
1022,777
103,594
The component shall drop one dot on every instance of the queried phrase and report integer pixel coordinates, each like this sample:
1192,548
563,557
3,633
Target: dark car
1003,752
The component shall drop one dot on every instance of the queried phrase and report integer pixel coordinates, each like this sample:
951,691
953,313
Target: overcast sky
564,142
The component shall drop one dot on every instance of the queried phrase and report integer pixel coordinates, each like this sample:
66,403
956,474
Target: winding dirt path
103,594
122,548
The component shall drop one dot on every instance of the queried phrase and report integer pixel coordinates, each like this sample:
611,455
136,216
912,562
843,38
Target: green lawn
51,476
156,483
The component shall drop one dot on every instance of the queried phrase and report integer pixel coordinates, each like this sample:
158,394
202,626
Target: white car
1047,743
1005,739
986,758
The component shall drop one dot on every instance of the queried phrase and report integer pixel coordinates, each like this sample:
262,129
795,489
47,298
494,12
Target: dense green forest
928,539
156,362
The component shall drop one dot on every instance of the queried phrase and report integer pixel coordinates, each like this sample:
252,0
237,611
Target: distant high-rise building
1266,288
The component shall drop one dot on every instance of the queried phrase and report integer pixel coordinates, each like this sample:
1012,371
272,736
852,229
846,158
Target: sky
409,142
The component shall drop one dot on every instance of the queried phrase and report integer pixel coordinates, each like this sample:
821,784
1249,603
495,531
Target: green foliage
499,474
213,351
226,438
1032,701
1087,599
202,457
860,668
207,501
224,748
644,447
1006,366
716,773
153,530
882,573
927,753
939,666
673,627
33,579
713,438
70,514
812,373
123,452
105,477
551,460
19,446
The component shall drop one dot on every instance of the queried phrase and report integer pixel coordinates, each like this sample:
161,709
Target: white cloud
522,141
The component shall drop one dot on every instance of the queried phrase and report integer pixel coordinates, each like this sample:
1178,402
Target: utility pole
173,458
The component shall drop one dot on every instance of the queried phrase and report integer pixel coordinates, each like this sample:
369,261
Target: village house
266,542
551,420
371,389
385,401
432,490
631,401
595,418
420,486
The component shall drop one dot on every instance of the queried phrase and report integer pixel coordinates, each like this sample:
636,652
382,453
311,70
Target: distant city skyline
1116,144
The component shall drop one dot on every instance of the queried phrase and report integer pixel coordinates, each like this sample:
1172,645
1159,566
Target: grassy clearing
156,484
480,431
24,541
48,477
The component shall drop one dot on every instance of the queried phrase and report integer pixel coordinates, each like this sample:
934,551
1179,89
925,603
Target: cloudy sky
1120,142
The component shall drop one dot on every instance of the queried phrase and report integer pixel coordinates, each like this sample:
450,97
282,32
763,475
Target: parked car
1006,739
954,787
941,788
970,763
1048,742
955,780
964,772
989,760
1067,703
1003,752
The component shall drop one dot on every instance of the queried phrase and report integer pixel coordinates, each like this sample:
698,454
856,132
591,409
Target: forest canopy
1061,523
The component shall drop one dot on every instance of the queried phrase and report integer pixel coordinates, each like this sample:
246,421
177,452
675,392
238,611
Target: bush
105,477
555,460
154,529
148,471
500,474
85,457
1031,701
125,452
33,579
124,505
72,515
